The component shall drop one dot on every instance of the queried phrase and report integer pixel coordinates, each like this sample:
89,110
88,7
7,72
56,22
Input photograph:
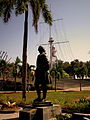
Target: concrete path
10,116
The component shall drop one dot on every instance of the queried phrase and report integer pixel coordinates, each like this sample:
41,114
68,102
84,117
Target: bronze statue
41,74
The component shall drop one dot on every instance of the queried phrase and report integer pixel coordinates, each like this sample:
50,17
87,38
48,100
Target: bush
82,106
10,86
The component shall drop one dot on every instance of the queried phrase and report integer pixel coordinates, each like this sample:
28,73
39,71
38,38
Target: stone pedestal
40,113
28,114
48,112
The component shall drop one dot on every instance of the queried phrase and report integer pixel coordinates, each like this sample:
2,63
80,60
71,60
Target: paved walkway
10,116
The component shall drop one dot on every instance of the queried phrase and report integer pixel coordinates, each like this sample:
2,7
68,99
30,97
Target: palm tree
20,7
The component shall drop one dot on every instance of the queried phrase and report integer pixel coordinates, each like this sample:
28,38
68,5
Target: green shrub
82,106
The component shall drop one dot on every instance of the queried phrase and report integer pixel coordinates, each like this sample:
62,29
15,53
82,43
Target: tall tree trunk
24,67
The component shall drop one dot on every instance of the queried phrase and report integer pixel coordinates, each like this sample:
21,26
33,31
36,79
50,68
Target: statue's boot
44,95
39,95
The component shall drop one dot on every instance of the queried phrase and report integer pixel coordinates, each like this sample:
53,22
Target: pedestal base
42,104
40,113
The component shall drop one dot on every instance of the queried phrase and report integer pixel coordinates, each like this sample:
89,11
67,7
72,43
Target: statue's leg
44,88
38,92
44,85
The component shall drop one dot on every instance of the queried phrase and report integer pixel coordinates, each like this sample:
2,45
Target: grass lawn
71,101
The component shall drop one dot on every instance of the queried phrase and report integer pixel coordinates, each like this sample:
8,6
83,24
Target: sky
75,28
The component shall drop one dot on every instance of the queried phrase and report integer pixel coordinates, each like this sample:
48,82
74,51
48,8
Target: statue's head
41,49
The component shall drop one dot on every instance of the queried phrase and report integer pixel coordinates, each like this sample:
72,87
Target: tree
67,67
16,64
82,71
74,67
20,7
88,67
2,68
3,63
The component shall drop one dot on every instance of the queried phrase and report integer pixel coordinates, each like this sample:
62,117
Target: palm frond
35,7
45,12
6,7
21,6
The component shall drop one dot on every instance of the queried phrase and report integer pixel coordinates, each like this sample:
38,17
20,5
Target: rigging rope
64,51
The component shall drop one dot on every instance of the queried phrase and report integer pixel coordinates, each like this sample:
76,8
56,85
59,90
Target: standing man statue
41,74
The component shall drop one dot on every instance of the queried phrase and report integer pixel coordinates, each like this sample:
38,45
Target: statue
41,74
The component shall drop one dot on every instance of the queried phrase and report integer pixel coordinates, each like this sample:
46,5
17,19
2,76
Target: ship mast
51,43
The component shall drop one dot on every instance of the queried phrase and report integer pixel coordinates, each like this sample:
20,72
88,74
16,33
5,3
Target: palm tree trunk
24,67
